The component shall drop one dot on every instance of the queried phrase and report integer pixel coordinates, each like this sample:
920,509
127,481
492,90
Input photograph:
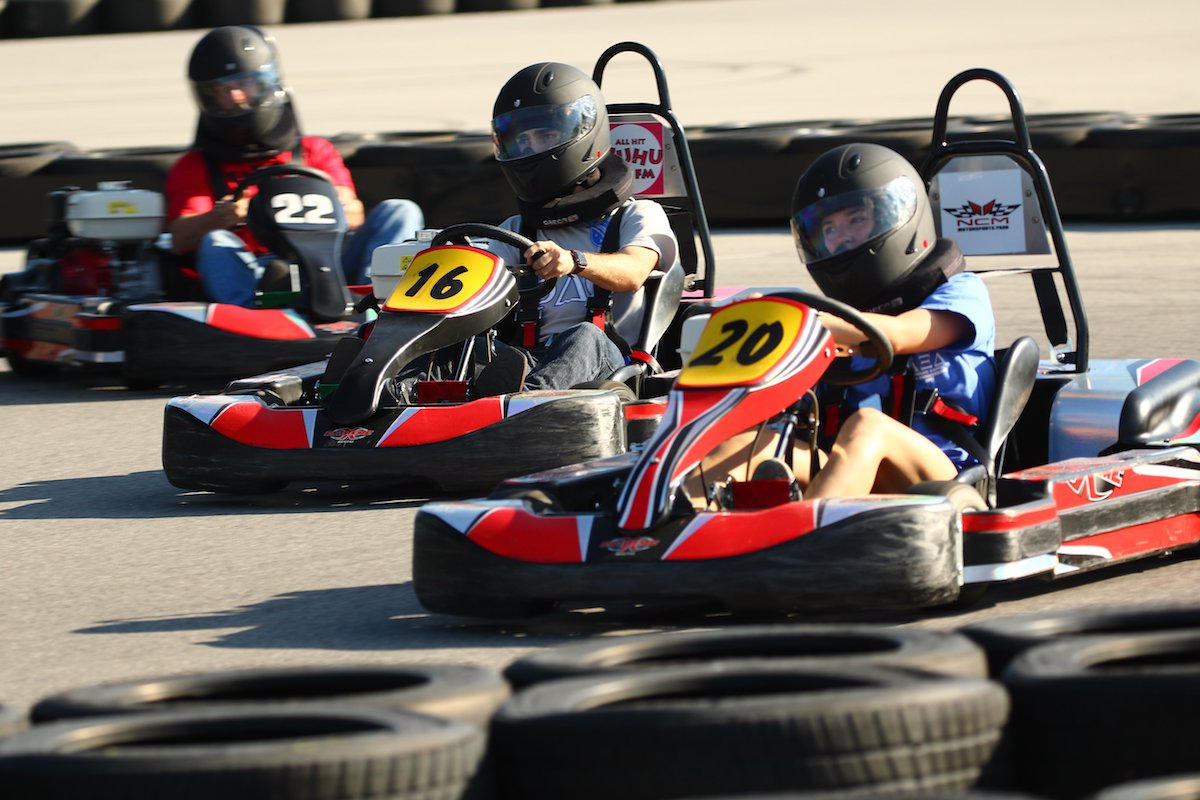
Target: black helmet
861,221
549,130
235,78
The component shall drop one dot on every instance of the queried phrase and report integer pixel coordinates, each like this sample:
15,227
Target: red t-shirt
189,185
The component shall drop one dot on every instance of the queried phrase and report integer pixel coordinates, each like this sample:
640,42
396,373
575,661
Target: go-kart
343,419
1086,463
100,293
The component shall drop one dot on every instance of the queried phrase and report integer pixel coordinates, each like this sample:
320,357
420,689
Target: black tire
1176,787
311,753
934,652
460,692
706,730
963,497
28,368
497,5
215,13
622,390
405,8
327,10
147,15
1005,638
12,720
1092,712
52,18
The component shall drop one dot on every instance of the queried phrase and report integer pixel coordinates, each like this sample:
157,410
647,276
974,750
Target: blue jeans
230,273
579,354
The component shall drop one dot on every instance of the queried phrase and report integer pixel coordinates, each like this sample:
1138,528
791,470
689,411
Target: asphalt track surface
108,572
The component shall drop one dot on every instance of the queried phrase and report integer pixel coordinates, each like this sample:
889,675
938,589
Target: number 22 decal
310,209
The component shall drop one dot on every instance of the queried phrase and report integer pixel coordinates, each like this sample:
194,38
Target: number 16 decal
742,342
442,279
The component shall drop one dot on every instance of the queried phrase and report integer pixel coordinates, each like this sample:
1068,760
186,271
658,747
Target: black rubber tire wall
326,10
1092,712
460,692
934,652
215,13
314,753
1005,638
704,730
148,15
405,8
33,18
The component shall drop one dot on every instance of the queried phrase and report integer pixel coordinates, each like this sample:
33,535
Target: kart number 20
742,342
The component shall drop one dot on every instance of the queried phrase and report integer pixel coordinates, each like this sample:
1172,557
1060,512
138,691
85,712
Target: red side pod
426,424
254,424
515,532
735,533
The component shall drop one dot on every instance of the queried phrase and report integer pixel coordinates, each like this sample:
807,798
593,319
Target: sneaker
504,375
775,469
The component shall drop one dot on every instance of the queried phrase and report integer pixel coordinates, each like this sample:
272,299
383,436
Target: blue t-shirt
964,373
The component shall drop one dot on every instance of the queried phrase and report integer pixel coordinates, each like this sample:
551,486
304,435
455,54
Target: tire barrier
36,18
461,692
131,16
326,10
1104,166
728,728
312,752
1005,638
28,211
1097,711
934,652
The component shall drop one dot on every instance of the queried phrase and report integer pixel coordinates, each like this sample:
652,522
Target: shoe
504,375
775,469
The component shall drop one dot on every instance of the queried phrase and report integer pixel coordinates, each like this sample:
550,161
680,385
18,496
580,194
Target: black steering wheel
459,233
879,347
275,171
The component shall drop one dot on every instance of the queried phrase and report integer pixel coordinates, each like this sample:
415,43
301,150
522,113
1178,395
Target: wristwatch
580,260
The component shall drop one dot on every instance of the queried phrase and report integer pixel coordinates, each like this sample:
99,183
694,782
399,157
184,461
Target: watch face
580,258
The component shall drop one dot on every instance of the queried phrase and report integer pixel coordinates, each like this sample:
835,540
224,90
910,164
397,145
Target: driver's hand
549,260
228,213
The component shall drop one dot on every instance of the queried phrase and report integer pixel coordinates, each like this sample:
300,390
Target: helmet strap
614,187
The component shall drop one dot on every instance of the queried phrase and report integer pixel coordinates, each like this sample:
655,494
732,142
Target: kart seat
663,291
1016,371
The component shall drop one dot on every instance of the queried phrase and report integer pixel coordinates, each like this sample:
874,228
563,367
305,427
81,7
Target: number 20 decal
742,342
442,279
310,209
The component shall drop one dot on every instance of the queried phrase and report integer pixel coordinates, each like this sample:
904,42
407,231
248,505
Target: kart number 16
442,279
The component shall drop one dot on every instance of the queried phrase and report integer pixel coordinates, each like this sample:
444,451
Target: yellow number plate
742,342
442,279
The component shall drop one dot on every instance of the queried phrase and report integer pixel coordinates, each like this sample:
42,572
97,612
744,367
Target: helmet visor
529,131
237,94
844,222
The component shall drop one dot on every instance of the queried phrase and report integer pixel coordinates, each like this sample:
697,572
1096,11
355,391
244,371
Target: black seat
1016,371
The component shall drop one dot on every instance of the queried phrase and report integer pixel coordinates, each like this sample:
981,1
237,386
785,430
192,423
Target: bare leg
875,453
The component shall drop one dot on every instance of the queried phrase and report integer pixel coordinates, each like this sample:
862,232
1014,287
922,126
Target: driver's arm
917,331
187,231
352,206
623,271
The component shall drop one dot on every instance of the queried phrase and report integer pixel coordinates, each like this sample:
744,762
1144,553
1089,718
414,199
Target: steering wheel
879,346
459,233
275,171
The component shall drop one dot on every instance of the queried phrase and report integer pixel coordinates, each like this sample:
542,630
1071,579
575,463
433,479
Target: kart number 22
310,209
442,279
742,342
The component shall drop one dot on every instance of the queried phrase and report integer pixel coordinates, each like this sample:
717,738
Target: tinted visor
237,94
526,132
844,222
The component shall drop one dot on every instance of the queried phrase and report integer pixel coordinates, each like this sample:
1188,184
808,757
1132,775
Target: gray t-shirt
644,224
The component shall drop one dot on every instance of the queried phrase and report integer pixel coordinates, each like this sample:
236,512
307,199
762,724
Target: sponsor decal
1100,486
640,145
348,435
629,545
982,211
